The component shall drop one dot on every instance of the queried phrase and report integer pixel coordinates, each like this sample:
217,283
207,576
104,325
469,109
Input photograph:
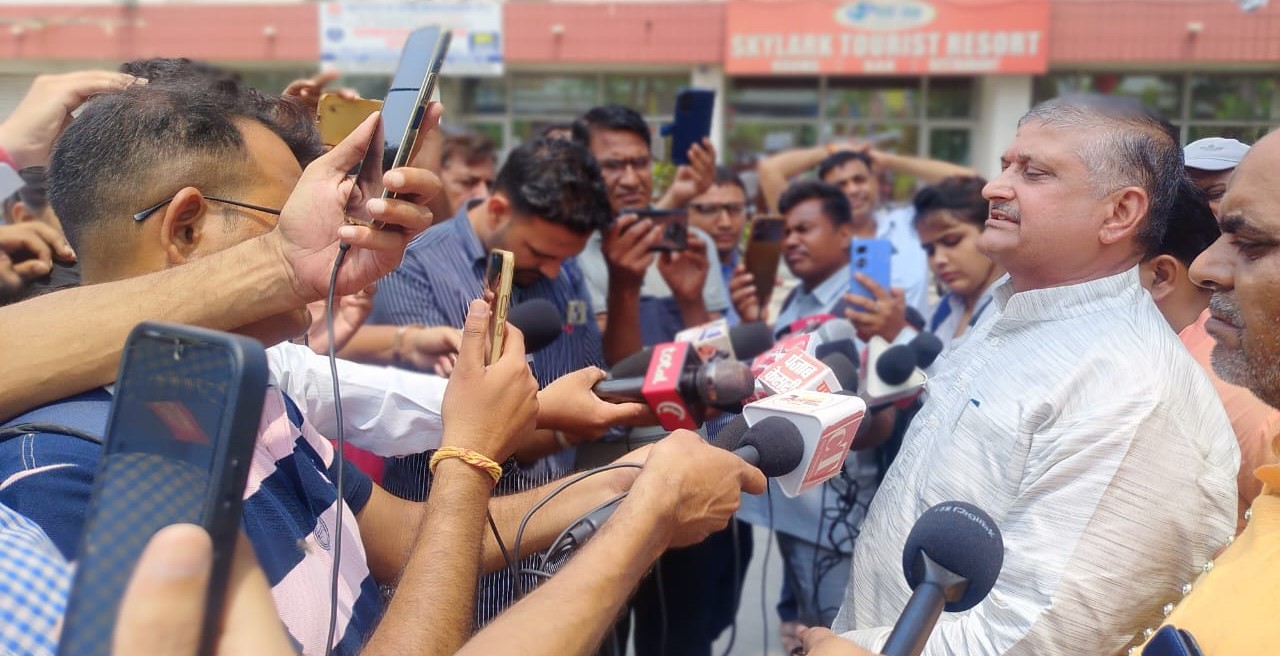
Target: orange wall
1081,31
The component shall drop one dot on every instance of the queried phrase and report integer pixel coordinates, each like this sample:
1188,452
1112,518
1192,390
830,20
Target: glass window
1247,134
950,97
862,98
1234,98
1162,93
484,96
774,97
950,145
651,95
567,95
747,141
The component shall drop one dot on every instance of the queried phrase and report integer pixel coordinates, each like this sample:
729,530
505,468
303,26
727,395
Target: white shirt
1076,418
385,410
595,269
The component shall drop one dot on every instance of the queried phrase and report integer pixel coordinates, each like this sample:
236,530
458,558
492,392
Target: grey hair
1129,146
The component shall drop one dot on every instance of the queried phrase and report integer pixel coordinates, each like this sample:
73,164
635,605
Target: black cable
536,572
342,442
515,548
554,551
737,584
493,526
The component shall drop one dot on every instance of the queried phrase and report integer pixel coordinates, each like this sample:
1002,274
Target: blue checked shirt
34,582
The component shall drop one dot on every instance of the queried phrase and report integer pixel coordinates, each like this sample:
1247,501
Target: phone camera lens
861,263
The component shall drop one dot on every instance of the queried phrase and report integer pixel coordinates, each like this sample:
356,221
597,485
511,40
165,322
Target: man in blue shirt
548,199
722,211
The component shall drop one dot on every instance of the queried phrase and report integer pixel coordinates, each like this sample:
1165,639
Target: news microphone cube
711,340
661,387
828,424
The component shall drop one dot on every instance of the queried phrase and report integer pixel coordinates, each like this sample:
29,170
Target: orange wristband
473,458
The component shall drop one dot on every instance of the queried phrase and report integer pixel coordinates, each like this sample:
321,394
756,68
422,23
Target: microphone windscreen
914,318
963,539
896,364
927,347
539,320
725,383
779,443
750,339
730,436
846,372
635,365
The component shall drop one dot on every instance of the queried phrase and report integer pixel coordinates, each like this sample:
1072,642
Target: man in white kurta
1072,414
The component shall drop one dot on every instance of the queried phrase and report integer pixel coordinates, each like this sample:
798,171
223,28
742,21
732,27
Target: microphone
827,424
845,371
914,318
715,340
927,347
539,320
890,373
807,324
951,560
636,364
837,336
678,387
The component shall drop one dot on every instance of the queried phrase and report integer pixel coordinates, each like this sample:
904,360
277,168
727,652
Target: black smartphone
691,121
179,439
402,113
675,227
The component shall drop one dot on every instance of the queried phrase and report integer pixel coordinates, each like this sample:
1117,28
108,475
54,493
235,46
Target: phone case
871,258
675,231
764,253
337,117
500,284
1172,641
691,122
180,392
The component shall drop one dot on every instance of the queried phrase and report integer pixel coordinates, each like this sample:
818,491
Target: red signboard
887,37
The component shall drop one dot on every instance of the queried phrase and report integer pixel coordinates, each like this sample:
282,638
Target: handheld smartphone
675,228
764,252
1172,641
497,290
177,449
337,117
402,113
871,258
691,121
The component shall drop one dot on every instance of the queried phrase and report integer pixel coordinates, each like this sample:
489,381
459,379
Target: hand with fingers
884,315
742,293
313,222
431,348
569,405
490,409
29,132
27,252
308,90
626,249
349,313
686,271
692,179
163,608
696,486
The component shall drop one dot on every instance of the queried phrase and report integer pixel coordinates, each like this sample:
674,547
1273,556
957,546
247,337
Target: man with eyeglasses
721,211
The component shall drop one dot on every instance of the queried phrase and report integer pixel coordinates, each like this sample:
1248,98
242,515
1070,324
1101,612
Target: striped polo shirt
442,272
289,513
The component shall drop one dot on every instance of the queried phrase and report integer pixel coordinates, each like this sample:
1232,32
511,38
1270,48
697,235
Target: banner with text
366,37
895,37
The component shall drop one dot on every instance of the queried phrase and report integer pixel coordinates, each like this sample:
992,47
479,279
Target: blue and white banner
366,37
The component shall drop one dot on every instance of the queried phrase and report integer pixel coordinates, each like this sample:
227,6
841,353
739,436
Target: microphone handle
620,390
916,623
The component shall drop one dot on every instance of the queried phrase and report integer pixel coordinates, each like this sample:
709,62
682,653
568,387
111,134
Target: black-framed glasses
714,209
142,216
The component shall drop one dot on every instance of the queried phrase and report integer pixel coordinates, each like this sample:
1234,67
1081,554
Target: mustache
1007,209
1224,308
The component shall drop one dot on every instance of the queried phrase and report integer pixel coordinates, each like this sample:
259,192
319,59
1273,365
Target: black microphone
927,347
846,372
951,560
636,364
750,339
896,364
720,384
914,318
774,445
539,320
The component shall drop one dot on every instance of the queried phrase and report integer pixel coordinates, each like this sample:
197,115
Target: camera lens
861,263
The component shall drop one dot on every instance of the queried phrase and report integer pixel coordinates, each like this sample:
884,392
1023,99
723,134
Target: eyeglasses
616,166
714,209
142,216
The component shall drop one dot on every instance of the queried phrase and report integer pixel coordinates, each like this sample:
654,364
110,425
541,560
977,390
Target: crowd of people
1108,388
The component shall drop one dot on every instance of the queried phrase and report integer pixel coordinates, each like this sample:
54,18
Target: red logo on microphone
662,386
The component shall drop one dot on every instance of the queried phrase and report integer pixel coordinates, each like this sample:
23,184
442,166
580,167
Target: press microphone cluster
951,560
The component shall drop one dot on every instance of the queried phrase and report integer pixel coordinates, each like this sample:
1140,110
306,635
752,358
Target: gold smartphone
764,251
497,291
337,117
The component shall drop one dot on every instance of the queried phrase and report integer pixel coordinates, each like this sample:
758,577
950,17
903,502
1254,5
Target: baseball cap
1214,154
